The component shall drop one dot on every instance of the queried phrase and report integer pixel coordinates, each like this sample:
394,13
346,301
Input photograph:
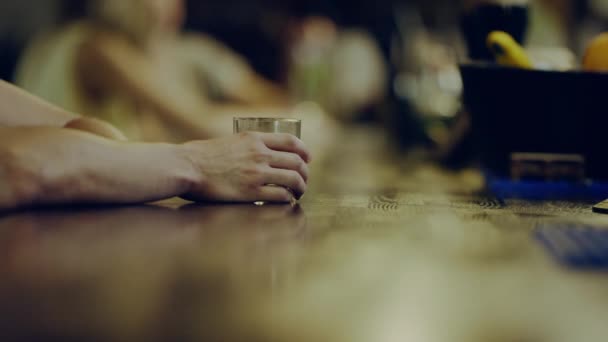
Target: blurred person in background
49,156
127,63
323,51
255,29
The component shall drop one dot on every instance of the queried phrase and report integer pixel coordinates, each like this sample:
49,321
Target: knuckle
298,161
255,148
302,166
254,175
249,136
260,154
252,188
292,141
281,194
302,185
303,170
285,195
299,183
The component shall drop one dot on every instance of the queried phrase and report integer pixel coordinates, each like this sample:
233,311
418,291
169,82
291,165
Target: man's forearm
82,168
18,108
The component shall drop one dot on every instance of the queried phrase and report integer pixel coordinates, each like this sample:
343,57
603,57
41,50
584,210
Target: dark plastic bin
535,111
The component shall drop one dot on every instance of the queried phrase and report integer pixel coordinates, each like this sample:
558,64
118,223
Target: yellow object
596,55
507,51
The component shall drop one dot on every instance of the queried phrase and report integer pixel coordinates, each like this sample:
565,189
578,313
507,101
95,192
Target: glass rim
267,119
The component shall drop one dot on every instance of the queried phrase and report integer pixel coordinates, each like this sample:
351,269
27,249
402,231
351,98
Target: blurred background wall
256,27
20,21
419,41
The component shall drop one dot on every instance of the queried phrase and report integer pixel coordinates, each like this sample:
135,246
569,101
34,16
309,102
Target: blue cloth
576,246
540,190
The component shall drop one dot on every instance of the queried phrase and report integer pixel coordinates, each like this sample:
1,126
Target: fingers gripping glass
269,125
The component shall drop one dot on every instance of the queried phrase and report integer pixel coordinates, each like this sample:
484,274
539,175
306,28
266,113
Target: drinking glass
269,125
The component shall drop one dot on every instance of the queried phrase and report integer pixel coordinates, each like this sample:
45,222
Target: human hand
239,168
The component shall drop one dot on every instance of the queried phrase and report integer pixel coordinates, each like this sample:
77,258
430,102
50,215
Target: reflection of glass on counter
263,244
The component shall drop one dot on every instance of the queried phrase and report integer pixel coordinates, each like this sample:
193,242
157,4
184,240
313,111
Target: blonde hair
131,17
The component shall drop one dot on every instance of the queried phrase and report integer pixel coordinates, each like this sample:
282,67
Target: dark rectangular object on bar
535,111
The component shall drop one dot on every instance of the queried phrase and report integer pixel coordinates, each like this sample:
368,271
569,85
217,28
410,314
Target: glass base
293,202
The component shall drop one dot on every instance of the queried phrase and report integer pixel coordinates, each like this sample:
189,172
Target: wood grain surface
385,247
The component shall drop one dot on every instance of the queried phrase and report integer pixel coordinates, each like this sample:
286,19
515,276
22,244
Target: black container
535,111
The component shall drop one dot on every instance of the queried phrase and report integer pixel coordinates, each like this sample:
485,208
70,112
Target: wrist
186,171
166,166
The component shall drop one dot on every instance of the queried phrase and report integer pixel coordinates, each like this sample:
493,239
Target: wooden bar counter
383,248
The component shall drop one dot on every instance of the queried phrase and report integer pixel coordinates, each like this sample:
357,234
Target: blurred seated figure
308,45
128,64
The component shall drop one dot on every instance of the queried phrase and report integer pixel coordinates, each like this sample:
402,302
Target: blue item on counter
576,246
543,190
